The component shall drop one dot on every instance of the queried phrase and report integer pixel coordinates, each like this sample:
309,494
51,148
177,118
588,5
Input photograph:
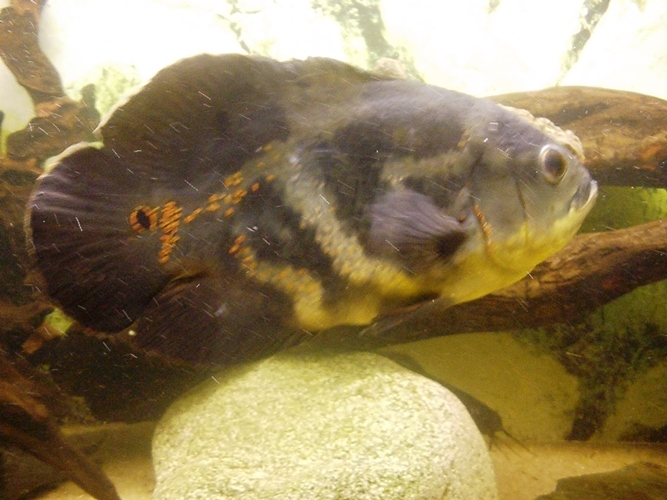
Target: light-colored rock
461,45
626,50
320,426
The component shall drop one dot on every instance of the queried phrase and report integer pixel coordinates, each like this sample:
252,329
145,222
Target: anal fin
215,319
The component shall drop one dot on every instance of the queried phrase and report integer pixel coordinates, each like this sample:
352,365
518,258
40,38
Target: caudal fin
100,269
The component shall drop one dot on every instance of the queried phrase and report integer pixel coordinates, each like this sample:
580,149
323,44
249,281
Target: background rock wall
482,47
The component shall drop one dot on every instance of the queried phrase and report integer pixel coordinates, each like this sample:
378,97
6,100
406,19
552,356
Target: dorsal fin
208,107
200,111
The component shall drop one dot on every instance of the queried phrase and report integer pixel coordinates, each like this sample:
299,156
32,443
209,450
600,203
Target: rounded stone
303,426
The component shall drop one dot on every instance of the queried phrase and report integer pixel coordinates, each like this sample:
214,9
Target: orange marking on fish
283,274
237,245
233,180
249,262
228,212
651,151
270,178
485,226
170,213
213,207
192,216
170,219
254,187
170,227
238,195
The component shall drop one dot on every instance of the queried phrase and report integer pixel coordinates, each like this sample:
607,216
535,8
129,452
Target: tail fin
96,266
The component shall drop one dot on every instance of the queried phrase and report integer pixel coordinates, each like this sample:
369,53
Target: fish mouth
585,195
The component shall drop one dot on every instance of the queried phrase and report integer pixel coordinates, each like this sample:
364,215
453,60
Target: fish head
529,194
521,195
479,209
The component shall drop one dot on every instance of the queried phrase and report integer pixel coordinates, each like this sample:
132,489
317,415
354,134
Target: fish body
237,205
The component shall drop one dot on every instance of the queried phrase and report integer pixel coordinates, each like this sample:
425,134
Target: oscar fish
237,205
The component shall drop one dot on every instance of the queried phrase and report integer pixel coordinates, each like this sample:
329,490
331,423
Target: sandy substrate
523,473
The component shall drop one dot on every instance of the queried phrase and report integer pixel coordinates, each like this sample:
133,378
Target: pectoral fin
407,226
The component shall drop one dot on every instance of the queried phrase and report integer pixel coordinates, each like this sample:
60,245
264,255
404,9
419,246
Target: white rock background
482,47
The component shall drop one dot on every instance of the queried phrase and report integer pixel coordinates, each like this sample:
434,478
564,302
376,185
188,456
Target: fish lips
586,195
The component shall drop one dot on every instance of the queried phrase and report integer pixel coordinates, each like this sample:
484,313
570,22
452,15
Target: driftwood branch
28,410
20,51
59,121
27,423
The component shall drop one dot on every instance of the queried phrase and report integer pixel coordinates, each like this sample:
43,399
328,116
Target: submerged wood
624,134
59,121
639,481
20,51
25,422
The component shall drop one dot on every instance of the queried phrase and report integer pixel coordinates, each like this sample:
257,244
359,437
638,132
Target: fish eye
554,164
